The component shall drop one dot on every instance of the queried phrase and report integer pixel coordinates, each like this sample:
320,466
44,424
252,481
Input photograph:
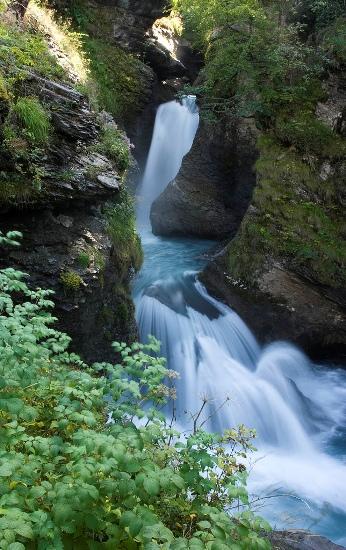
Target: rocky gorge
66,214
244,187
92,74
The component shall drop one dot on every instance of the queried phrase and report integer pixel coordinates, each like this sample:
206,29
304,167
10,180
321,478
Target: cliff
285,270
63,166
266,175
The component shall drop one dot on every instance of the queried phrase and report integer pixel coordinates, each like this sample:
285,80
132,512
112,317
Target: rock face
301,540
129,25
279,273
70,169
212,191
66,246
280,305
284,271
67,250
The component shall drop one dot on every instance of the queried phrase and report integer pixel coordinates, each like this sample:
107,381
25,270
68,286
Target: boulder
212,191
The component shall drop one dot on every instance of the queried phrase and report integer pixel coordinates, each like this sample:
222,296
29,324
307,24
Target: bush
71,480
253,63
33,118
71,280
334,40
325,11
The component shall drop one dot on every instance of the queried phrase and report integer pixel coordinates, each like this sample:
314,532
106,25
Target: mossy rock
291,220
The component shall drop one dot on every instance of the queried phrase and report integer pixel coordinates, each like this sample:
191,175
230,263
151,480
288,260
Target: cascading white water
297,408
175,129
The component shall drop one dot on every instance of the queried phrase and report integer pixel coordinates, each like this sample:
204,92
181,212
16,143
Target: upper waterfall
174,131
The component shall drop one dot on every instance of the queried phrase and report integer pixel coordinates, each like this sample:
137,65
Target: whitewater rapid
297,408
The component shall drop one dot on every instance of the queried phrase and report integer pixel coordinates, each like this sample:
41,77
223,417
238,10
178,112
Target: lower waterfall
297,408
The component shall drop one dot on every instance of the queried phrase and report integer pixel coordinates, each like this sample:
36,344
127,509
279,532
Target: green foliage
309,135
115,146
334,40
16,189
254,65
117,75
26,129
84,260
121,227
22,50
3,5
4,93
70,480
33,118
325,11
259,62
10,239
71,280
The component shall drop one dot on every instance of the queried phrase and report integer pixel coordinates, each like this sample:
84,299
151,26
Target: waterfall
174,131
297,408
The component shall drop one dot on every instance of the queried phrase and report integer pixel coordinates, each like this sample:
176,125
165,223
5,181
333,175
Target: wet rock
301,540
162,61
212,191
281,305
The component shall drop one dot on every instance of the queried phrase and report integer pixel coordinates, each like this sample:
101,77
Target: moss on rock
71,280
295,217
118,77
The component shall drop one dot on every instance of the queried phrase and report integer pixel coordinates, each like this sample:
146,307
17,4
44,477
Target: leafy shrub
71,280
121,227
254,64
334,39
325,11
34,119
71,480
11,238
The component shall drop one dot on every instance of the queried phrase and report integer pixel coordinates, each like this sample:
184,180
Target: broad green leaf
152,486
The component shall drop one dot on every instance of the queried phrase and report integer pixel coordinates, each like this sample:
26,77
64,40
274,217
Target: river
297,408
